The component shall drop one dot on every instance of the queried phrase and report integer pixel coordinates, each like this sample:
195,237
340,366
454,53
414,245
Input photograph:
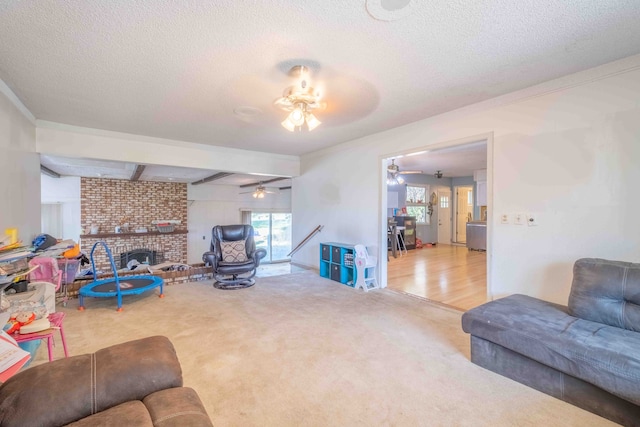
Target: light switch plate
504,219
519,218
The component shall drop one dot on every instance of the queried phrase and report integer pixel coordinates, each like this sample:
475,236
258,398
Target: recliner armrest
257,255
66,390
210,258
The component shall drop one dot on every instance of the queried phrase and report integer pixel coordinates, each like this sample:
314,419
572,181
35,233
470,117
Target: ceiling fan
300,100
260,192
394,173
438,174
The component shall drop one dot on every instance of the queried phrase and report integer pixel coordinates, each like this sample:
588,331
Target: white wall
567,150
210,205
66,192
340,189
19,170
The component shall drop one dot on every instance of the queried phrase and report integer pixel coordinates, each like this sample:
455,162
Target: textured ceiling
208,72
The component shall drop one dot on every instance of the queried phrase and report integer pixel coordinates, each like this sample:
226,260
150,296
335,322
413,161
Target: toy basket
69,269
348,259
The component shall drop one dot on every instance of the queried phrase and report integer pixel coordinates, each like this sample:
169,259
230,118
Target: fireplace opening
143,256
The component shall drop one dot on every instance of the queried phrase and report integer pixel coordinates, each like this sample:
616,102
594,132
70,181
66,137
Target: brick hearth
196,273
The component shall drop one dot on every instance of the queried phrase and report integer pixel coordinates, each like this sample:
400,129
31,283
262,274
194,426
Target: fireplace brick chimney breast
108,203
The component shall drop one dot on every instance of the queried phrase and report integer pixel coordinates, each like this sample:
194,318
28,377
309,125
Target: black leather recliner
228,272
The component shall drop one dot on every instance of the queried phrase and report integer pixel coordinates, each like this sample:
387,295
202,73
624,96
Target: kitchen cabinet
481,197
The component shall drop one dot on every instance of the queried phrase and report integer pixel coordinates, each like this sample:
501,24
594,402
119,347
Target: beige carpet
298,350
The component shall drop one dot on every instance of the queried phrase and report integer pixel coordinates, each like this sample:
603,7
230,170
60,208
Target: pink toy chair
48,271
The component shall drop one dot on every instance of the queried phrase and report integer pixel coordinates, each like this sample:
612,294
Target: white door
464,212
444,216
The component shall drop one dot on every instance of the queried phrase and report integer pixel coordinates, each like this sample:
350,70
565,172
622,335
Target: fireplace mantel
148,233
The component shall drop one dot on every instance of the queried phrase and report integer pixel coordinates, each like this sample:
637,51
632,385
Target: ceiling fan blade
283,103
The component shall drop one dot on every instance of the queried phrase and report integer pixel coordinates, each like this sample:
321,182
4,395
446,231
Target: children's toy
18,320
37,325
114,287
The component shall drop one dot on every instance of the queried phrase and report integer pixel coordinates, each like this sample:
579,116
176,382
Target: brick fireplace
109,203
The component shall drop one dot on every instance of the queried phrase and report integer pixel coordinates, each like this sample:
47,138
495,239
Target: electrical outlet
532,220
519,219
504,219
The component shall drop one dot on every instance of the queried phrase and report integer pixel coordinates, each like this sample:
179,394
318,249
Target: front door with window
444,216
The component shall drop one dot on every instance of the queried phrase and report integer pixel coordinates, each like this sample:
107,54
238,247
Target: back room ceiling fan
261,191
394,174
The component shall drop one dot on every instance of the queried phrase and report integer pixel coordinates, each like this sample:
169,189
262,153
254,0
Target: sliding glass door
273,233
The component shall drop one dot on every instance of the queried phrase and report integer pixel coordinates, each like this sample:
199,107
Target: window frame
424,204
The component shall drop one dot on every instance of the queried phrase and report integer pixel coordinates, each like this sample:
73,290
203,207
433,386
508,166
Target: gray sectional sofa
586,353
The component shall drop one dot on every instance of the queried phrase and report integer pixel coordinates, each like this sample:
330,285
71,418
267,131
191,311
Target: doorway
272,231
463,208
443,270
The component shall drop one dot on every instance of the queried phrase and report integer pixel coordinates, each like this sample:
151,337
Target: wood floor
448,274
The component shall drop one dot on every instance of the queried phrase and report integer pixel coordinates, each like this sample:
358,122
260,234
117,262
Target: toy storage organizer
337,262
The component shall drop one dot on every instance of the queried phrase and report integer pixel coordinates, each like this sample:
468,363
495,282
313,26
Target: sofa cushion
176,407
606,292
132,413
89,383
603,355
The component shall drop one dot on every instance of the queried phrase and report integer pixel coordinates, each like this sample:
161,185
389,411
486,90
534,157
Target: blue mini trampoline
114,286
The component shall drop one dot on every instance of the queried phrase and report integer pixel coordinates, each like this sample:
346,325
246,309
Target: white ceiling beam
70,141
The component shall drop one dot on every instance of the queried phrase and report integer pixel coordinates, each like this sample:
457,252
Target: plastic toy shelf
337,262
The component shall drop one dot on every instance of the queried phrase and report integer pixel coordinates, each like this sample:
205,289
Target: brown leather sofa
137,383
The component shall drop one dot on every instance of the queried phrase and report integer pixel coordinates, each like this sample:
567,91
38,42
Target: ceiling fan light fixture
394,179
394,174
260,192
300,99
297,116
288,125
312,121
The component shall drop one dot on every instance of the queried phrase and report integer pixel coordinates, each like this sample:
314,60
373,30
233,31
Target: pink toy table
56,323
